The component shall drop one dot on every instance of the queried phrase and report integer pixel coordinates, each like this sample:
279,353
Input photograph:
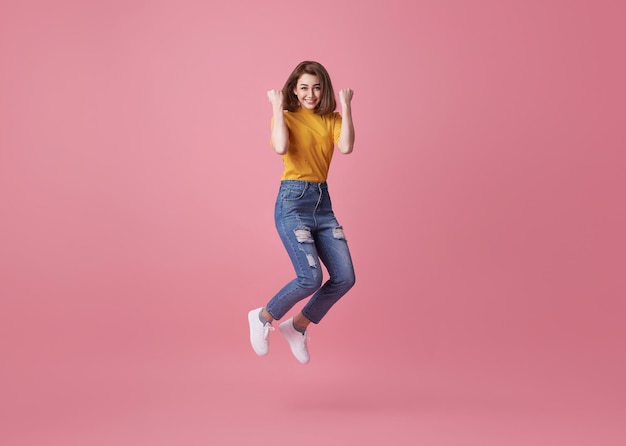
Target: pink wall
484,204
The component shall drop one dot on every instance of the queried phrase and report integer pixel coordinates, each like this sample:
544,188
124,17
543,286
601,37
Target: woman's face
309,91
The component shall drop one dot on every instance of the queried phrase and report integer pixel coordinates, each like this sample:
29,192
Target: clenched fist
345,96
276,98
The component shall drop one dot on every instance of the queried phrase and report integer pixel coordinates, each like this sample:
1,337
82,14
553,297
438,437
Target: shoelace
266,330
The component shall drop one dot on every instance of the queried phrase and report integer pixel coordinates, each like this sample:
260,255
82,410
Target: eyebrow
306,85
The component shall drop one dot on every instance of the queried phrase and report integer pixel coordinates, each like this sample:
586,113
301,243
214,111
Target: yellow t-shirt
312,139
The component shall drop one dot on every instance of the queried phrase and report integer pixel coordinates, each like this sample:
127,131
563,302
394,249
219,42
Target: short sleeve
337,126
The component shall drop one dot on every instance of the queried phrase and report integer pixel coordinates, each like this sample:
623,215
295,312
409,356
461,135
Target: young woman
305,129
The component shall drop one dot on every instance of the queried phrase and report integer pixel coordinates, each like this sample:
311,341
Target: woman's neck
305,110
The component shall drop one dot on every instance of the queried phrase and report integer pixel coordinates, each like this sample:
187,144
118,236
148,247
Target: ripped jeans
310,232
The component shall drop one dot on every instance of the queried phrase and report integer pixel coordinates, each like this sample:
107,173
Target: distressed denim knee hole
303,235
338,233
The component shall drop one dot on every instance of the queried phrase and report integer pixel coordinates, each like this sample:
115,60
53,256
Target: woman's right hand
276,98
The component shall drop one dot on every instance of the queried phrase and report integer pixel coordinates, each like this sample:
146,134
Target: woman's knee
345,281
311,282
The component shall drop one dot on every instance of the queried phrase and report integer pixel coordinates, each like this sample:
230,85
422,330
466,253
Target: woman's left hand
345,96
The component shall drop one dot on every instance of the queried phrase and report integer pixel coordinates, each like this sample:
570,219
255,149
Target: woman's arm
346,137
280,134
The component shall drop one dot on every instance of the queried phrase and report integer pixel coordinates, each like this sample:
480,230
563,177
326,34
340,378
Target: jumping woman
305,130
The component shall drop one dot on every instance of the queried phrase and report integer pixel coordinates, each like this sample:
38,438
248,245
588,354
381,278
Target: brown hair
327,103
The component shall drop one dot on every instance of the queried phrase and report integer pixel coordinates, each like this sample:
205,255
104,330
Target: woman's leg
333,250
294,222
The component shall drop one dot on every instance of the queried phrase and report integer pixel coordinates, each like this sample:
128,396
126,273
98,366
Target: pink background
484,204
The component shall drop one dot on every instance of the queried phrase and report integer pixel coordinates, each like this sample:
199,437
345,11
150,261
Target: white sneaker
297,341
259,333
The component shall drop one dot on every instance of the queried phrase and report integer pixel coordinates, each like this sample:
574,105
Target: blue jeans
310,232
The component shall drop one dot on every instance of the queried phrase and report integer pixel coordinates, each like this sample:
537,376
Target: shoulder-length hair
327,103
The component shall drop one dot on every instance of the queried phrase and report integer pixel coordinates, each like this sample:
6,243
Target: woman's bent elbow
280,147
346,150
280,150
